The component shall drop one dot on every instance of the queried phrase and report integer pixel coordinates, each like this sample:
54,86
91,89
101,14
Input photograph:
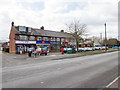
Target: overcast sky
54,14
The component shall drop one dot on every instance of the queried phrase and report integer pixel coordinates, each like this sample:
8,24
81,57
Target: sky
55,14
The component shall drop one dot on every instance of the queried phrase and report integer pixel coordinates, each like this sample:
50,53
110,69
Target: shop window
32,38
45,38
52,38
39,38
55,47
23,37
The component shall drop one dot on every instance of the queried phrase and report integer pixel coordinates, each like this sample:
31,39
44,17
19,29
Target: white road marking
112,82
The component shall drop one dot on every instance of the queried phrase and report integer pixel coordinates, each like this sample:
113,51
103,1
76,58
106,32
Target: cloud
55,14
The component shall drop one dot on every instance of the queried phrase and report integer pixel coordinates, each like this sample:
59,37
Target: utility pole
105,39
101,38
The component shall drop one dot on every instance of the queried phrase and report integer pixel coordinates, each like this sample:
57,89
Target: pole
105,39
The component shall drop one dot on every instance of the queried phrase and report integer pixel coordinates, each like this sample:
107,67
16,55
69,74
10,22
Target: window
23,37
62,39
52,38
22,28
29,29
32,38
58,39
45,38
67,40
38,38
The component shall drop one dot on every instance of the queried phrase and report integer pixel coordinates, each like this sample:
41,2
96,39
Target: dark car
40,51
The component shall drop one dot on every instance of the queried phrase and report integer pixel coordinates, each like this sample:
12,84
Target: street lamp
105,39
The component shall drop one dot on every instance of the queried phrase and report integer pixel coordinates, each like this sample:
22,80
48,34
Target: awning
80,43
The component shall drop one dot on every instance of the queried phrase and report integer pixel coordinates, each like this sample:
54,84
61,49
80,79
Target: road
95,71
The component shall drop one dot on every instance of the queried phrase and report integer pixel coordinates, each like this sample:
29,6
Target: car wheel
45,53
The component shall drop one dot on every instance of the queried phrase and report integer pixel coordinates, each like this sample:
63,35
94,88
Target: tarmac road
95,71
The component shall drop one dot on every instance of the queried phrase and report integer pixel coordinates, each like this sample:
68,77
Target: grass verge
85,54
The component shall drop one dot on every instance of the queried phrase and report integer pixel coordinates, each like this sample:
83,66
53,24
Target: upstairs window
23,37
39,39
52,38
58,39
32,38
62,39
22,28
67,40
45,38
29,29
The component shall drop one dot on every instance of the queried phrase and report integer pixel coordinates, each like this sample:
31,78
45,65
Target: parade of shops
22,38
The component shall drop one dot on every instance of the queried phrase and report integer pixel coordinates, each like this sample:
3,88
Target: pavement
9,60
95,71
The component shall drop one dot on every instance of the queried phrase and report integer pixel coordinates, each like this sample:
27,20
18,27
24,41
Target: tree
111,42
76,29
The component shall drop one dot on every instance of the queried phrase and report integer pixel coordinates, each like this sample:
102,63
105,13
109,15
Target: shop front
43,44
22,46
64,45
49,45
55,46
81,45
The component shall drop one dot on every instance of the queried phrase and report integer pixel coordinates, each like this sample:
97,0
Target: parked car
80,49
40,51
97,48
116,47
65,50
103,48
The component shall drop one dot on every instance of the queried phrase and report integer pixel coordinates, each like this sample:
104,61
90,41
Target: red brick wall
55,39
28,37
17,37
12,46
41,38
49,39
35,38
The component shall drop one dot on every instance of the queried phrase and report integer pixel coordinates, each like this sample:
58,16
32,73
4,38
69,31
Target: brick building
22,37
5,46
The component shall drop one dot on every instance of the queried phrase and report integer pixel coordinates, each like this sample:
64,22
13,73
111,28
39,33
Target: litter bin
69,51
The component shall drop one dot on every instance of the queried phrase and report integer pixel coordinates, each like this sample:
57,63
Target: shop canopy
80,43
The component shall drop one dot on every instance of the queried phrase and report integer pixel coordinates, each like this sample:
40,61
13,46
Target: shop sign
47,42
42,42
25,42
80,43
55,42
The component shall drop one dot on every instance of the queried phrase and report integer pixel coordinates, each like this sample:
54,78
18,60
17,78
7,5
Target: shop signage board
80,43
25,42
42,42
38,42
48,42
55,42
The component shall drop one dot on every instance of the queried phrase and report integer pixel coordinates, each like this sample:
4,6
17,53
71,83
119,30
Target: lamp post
105,39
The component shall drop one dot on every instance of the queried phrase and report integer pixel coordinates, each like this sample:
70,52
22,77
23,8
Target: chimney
62,30
12,24
42,27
